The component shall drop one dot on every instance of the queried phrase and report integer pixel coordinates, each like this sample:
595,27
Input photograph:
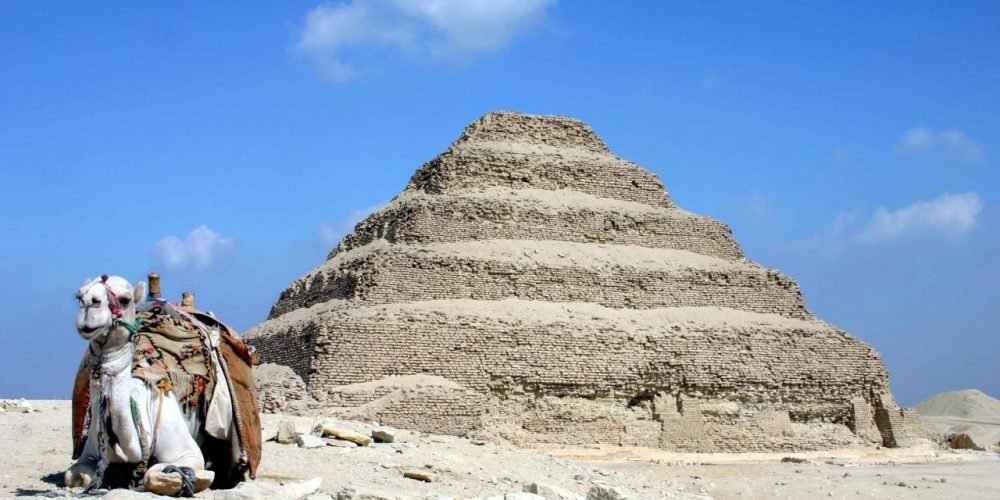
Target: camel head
105,303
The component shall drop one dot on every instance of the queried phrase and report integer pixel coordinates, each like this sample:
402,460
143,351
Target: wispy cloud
331,234
755,204
199,250
953,143
948,214
346,40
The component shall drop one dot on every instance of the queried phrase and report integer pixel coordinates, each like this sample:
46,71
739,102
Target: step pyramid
530,286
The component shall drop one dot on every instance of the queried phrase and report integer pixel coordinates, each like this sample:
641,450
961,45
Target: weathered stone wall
591,351
494,165
289,347
608,275
512,215
553,293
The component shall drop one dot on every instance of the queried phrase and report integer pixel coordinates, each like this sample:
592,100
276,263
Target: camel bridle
115,306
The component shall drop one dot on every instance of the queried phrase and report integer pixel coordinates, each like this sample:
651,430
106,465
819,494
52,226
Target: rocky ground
36,449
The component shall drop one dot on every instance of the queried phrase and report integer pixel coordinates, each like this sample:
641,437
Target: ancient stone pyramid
528,285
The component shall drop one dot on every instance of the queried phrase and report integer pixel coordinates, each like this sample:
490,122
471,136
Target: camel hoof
74,478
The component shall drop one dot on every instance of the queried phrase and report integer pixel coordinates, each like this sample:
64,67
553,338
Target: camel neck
114,360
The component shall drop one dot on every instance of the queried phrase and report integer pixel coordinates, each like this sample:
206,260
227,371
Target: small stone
794,460
169,483
299,489
330,429
578,477
286,432
901,484
419,475
339,443
602,492
23,406
309,441
549,492
381,436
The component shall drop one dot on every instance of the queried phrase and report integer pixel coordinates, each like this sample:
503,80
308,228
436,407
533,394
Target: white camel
130,422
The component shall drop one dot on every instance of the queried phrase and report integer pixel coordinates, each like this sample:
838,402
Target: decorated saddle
207,367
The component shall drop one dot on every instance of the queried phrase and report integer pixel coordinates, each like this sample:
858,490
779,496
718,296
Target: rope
132,327
187,479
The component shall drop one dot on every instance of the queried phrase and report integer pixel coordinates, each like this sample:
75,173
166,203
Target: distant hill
967,404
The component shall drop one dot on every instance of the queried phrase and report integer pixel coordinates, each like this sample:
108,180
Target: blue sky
850,145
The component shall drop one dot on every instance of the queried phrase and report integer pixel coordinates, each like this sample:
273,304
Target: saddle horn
154,286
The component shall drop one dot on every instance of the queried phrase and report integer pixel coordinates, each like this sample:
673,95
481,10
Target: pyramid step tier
577,349
564,215
621,276
545,130
530,166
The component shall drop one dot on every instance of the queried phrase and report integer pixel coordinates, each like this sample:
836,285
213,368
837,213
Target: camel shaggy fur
130,421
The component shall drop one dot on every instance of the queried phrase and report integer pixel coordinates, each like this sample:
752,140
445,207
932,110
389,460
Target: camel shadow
55,479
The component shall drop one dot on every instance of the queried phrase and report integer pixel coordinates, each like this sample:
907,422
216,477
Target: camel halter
115,306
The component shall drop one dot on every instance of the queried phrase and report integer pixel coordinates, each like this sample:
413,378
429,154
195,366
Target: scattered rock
286,432
328,429
550,492
300,489
382,436
794,460
340,443
169,483
419,475
310,441
603,492
523,496
266,490
125,494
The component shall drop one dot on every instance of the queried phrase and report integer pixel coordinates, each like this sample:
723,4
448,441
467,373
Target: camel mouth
90,332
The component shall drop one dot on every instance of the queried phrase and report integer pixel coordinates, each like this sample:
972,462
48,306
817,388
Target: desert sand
37,449
969,411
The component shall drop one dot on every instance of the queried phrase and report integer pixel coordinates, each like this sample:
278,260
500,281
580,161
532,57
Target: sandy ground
36,449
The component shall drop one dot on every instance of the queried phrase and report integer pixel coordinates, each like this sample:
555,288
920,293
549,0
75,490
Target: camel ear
139,294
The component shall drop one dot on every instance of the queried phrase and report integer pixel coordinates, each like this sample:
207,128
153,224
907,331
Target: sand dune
967,411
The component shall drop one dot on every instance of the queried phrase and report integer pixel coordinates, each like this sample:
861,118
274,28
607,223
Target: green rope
131,327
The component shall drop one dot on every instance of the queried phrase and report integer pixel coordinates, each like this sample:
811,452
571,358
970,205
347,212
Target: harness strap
147,445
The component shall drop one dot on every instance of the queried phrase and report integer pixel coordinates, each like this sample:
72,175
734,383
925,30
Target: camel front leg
83,471
180,467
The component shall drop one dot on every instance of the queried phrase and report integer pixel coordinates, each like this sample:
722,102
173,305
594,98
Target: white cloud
199,250
953,143
949,214
843,221
331,234
346,40
759,205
